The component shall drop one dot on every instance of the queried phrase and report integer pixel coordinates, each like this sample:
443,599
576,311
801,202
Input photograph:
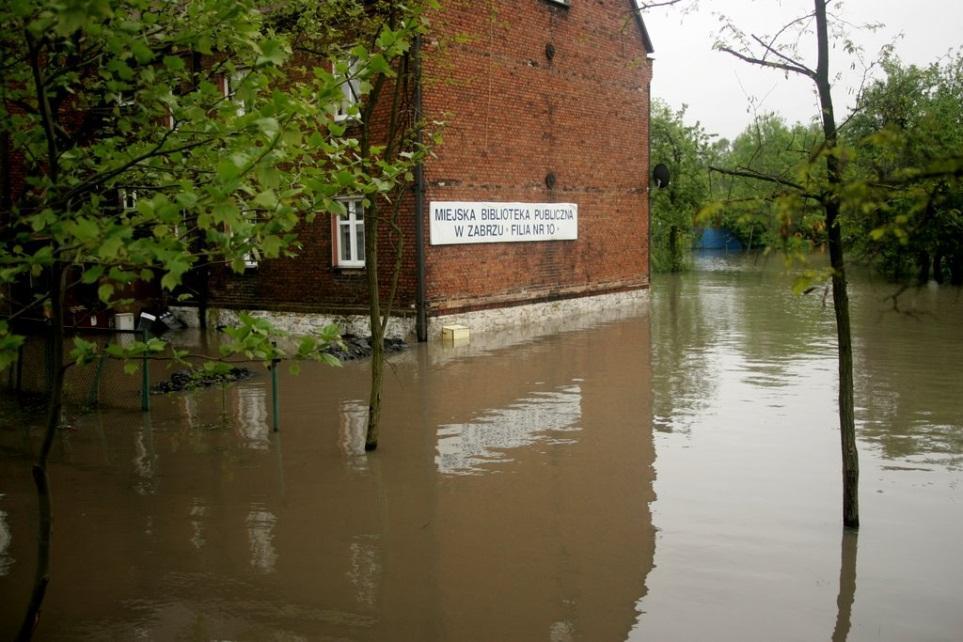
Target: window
125,99
229,86
351,88
251,260
349,235
127,199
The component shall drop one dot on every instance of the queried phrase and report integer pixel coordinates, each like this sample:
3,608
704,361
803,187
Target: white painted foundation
551,314
556,313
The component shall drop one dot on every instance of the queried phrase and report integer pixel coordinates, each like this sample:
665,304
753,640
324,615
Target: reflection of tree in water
847,585
732,317
738,317
908,370
681,333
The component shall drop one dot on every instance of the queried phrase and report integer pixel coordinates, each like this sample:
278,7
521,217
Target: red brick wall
310,282
513,117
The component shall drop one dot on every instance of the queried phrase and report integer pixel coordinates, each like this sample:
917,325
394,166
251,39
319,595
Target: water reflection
5,536
364,572
260,533
748,461
251,415
557,545
847,585
145,458
197,514
539,417
352,430
906,367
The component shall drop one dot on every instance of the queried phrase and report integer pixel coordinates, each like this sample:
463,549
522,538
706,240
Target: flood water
667,472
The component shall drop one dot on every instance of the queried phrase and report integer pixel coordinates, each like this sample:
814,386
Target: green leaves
74,15
9,345
219,160
274,51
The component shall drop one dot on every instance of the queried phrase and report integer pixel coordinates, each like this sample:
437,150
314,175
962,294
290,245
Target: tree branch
766,178
786,59
796,69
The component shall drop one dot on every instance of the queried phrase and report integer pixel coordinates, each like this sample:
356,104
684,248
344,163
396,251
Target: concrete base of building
549,313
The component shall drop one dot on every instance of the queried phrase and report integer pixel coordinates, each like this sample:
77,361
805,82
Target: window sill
349,269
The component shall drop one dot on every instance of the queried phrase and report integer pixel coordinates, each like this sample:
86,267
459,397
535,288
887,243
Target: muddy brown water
667,472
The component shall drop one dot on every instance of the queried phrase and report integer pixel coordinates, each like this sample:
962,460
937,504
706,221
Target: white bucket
124,321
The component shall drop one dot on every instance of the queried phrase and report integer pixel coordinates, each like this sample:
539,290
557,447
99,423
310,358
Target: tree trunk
41,480
956,269
847,421
923,263
938,268
377,333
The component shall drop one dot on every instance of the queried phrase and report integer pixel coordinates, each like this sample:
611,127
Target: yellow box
454,333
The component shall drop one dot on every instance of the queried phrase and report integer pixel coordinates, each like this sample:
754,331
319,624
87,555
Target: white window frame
350,91
127,198
251,260
125,99
229,84
353,220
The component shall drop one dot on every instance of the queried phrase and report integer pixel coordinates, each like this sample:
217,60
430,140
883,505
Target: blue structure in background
715,238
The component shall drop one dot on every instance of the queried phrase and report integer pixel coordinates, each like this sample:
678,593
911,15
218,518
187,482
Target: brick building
538,196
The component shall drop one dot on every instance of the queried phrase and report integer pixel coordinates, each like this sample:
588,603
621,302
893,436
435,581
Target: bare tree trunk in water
377,332
55,343
847,420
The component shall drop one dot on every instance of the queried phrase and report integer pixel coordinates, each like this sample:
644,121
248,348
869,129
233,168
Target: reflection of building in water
551,542
559,541
252,416
198,512
364,572
562,632
5,538
188,403
463,448
352,426
260,535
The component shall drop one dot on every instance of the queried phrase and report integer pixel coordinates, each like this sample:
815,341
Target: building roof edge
646,40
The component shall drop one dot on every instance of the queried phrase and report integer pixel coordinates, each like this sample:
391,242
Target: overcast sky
717,87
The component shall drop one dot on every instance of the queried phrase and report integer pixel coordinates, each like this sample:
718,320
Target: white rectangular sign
455,222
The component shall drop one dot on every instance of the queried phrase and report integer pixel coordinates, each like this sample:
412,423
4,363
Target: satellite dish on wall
660,175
